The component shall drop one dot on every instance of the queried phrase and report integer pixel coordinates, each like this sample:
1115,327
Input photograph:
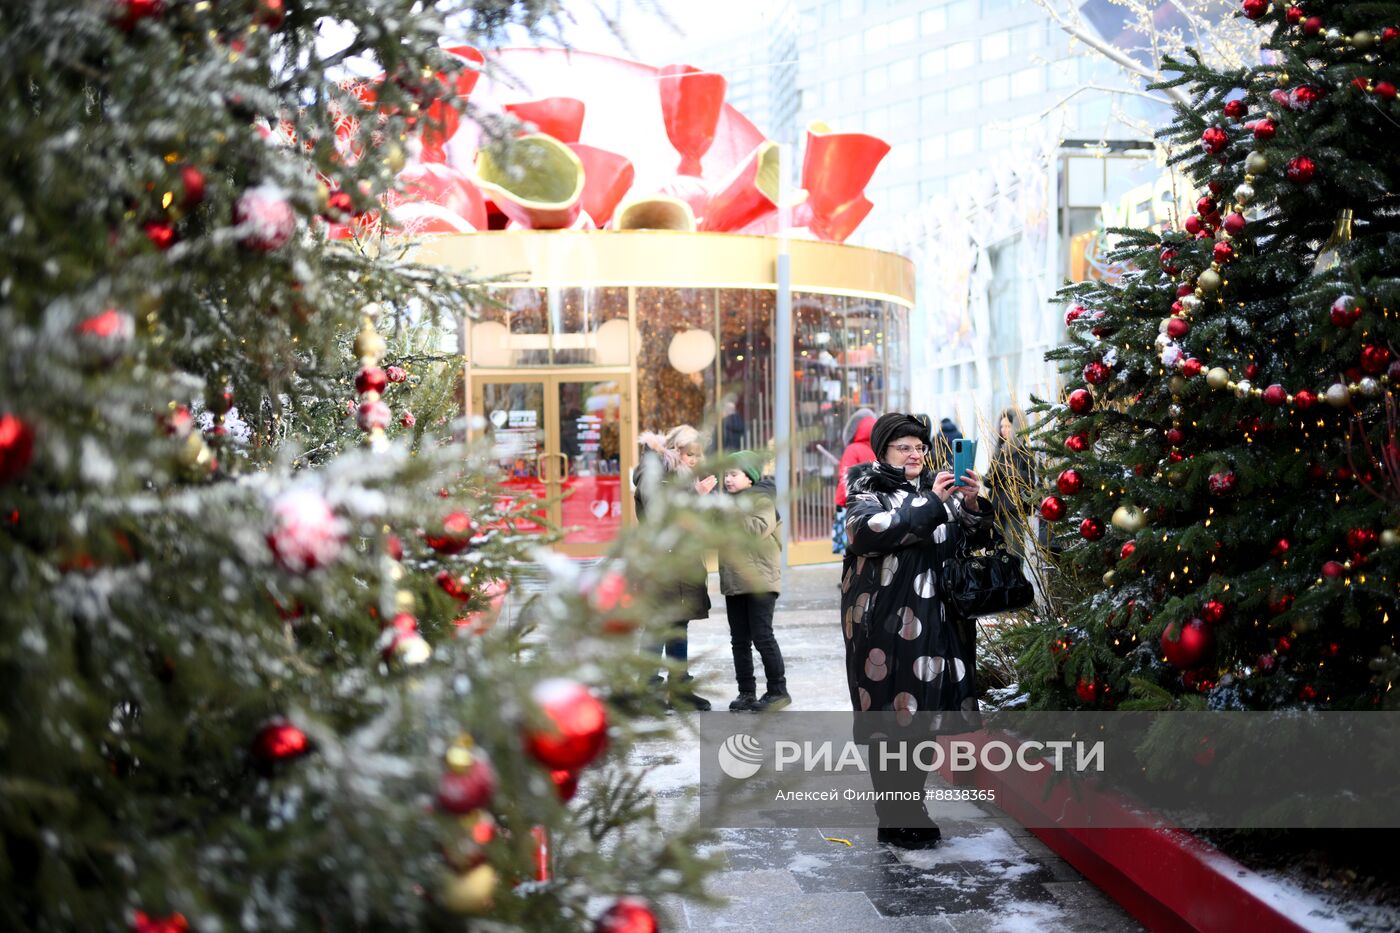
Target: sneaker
912,837
744,703
774,700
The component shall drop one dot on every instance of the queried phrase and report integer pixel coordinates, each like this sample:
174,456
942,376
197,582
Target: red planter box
1166,878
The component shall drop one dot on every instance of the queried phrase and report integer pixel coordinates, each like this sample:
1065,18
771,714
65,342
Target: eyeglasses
905,450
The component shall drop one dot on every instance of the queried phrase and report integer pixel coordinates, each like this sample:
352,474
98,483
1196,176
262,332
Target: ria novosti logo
740,756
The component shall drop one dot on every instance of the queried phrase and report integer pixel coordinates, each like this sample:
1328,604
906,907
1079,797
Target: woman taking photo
906,652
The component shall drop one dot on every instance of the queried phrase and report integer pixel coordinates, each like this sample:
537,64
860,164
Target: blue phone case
964,458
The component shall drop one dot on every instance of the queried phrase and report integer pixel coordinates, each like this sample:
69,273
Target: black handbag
986,583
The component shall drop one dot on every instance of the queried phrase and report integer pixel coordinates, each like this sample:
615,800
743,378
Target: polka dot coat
903,647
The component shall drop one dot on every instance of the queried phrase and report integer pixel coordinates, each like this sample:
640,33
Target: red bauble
1078,443
16,447
1222,252
1052,508
1280,548
1234,109
468,789
1095,373
1294,15
1234,223
1278,607
451,584
1362,540
407,419
1192,225
1074,314
1312,25
370,379
374,415
1375,359
628,915
1275,395
1265,128
279,741
305,534
1300,170
161,233
271,13
192,180
1342,474
578,730
1213,611
265,219
1175,436
1175,457
1178,327
1214,139
396,374
1091,529
456,536
1307,693
1304,400
131,12
1205,207
1080,401
1301,98
1345,311
1266,663
1127,550
1254,9
143,922
1191,368
1166,258
1222,484
339,204
1385,89
1389,34
393,546
1069,482
1087,690
1186,645
566,783
1333,569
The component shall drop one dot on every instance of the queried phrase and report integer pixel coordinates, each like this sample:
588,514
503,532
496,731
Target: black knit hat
891,427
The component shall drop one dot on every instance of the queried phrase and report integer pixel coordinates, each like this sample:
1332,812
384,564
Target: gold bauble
1176,478
1129,519
470,892
1209,281
1390,537
1177,384
394,158
1110,578
405,601
194,452
1256,163
1218,377
369,345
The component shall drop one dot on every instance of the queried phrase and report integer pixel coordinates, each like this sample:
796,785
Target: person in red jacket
857,451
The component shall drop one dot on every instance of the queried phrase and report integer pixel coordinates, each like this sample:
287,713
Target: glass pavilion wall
608,334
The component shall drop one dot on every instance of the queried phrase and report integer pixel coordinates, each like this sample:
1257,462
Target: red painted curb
1166,878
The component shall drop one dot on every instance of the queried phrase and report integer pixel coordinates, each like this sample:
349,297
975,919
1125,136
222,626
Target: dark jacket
905,649
752,563
1011,482
686,595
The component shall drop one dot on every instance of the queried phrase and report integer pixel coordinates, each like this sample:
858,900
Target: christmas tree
1226,456
257,672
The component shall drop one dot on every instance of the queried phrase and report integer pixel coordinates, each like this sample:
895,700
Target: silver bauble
1244,194
1338,395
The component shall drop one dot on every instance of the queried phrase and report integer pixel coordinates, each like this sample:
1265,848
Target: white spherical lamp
691,350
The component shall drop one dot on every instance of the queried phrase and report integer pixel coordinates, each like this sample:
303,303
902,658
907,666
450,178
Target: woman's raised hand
706,485
943,485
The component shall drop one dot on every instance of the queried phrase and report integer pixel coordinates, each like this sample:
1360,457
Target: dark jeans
751,626
677,647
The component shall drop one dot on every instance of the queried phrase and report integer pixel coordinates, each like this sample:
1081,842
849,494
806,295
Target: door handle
567,471
539,467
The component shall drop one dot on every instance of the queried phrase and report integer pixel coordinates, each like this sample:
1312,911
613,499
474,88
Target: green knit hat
748,463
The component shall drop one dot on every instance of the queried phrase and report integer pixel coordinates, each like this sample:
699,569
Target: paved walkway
987,874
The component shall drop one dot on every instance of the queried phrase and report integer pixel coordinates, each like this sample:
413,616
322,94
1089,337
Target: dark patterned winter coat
905,649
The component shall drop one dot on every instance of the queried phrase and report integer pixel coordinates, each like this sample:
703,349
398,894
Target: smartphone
964,458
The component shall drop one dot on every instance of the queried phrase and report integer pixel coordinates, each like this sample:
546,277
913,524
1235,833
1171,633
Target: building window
961,142
901,156
902,30
962,99
932,64
961,55
933,22
932,150
962,12
876,38
1064,73
1028,81
995,45
877,121
904,117
995,8
933,106
877,79
902,72
995,89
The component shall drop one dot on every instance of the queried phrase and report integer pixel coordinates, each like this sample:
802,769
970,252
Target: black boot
910,837
692,699
773,700
744,703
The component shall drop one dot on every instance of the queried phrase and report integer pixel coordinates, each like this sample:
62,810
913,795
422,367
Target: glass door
564,438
